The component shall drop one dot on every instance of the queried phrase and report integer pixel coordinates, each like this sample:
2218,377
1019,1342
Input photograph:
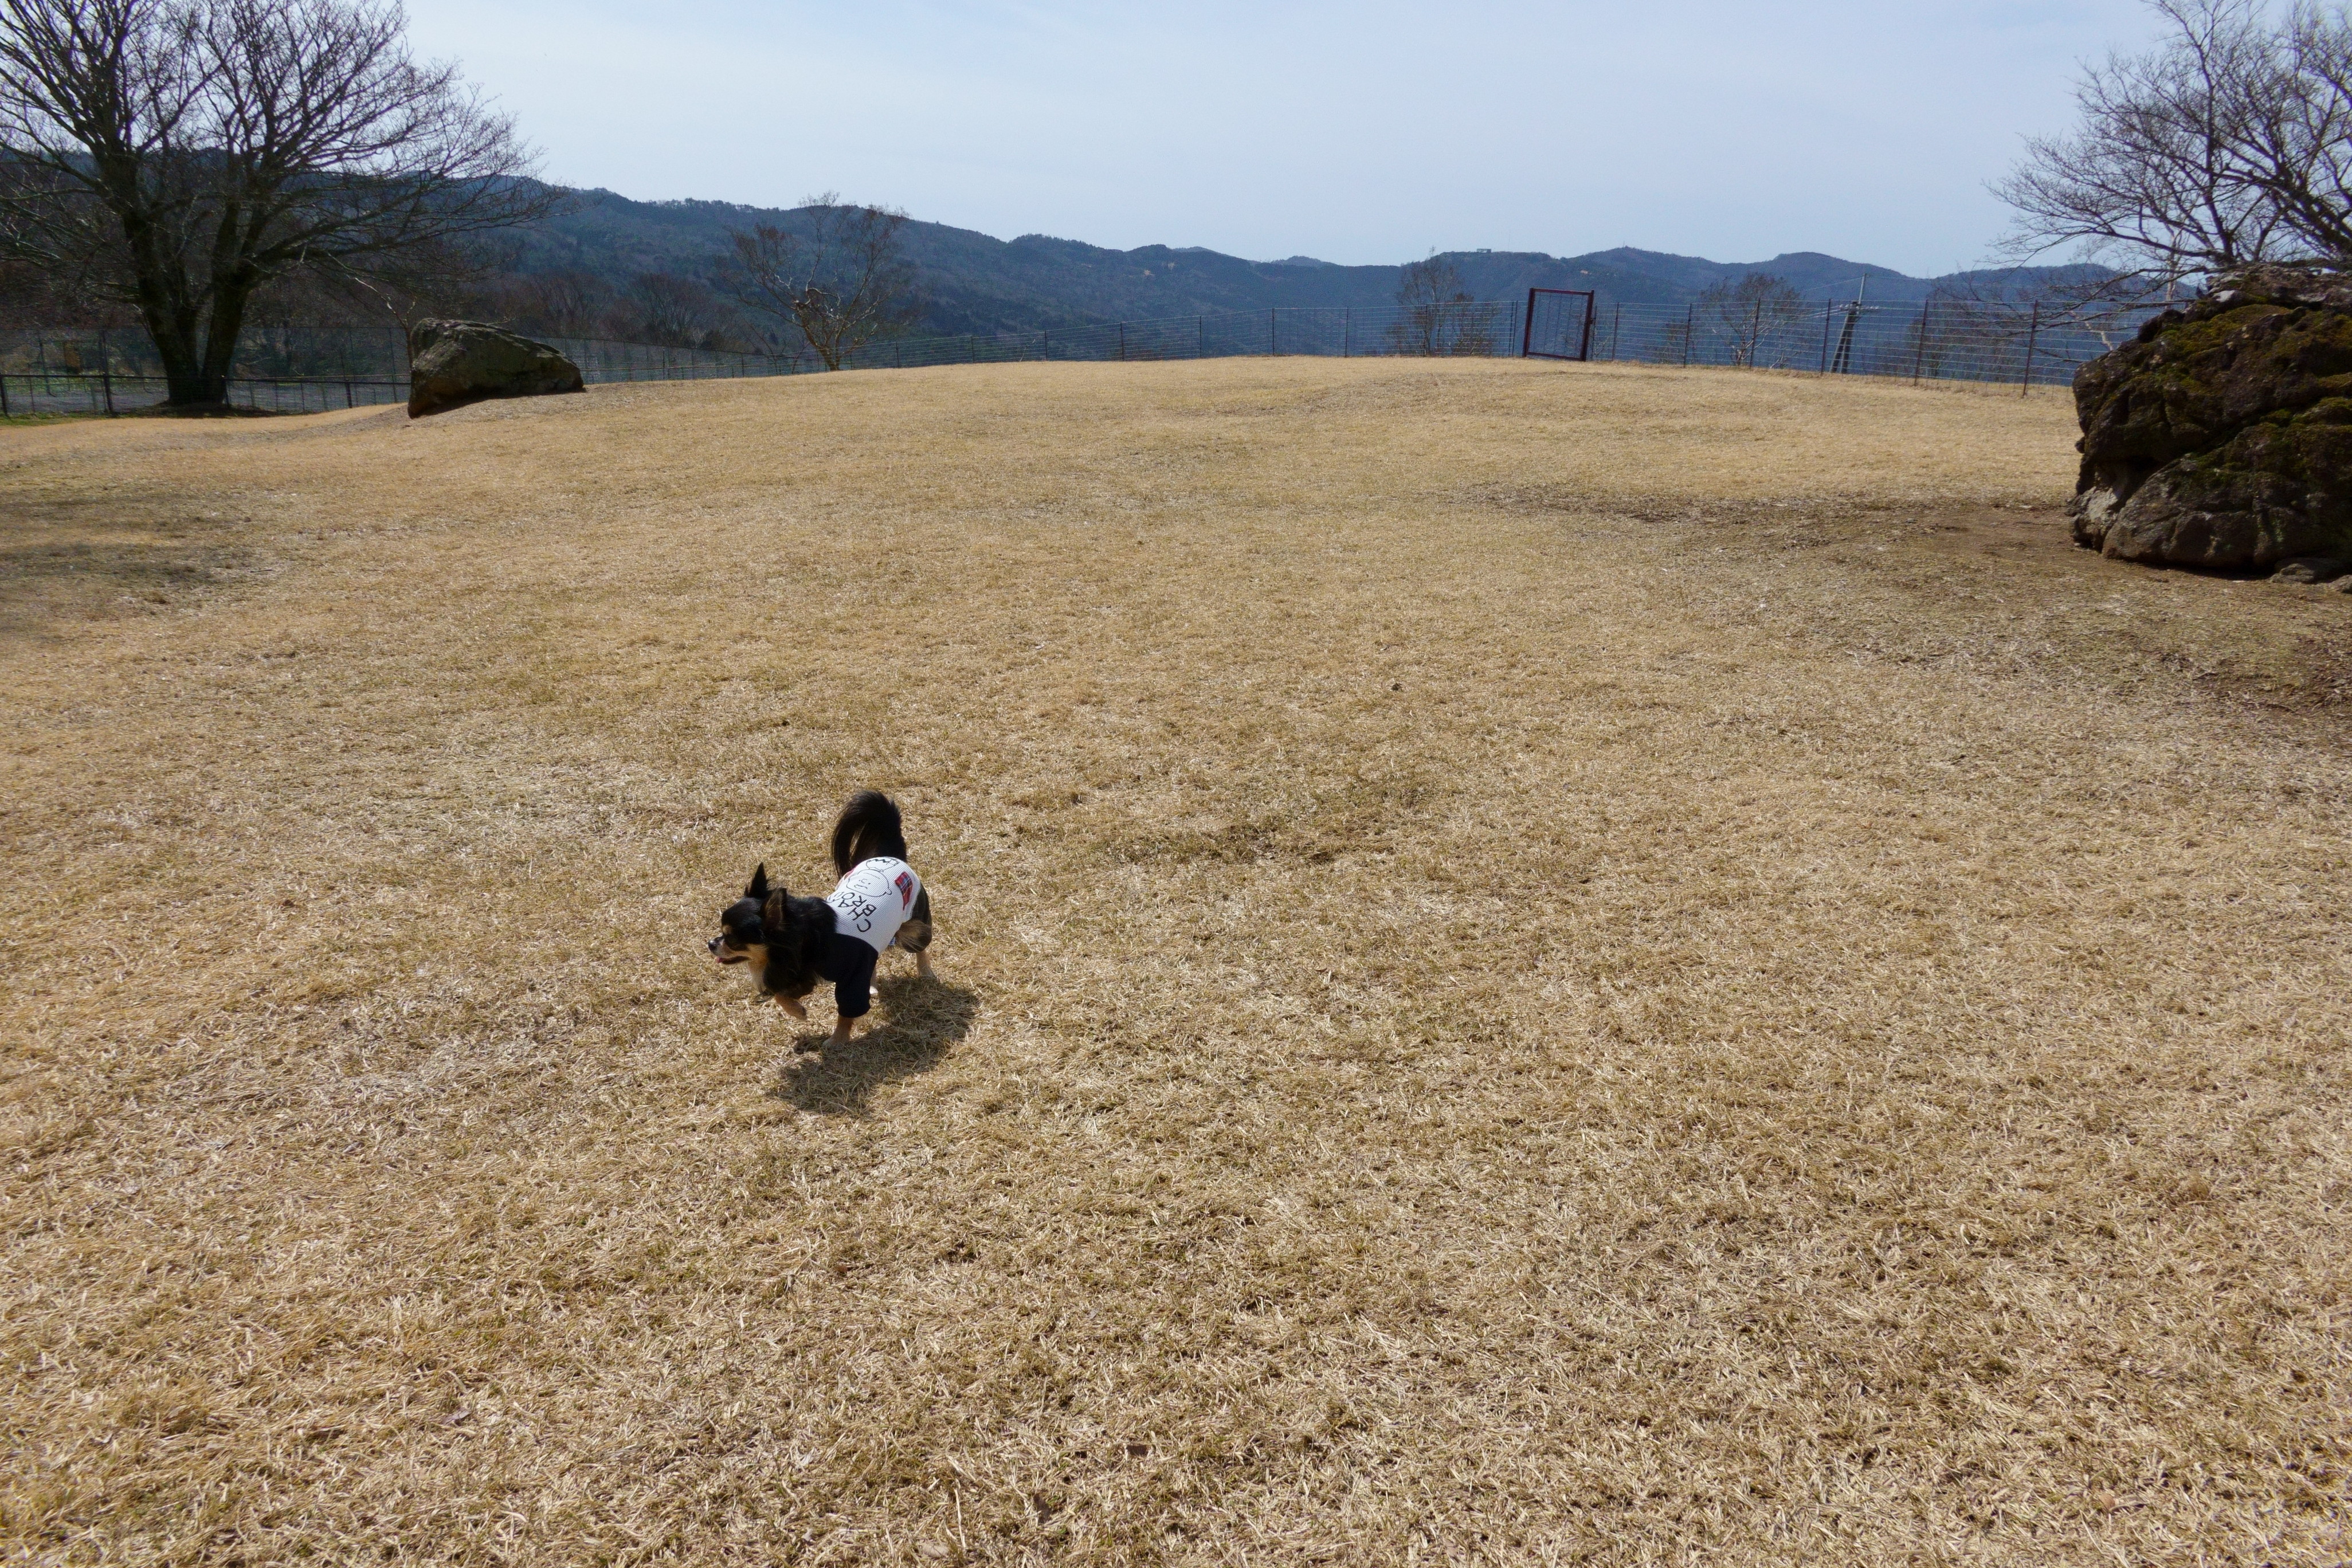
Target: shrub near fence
309,369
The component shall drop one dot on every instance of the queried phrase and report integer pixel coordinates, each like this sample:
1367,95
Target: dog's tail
868,827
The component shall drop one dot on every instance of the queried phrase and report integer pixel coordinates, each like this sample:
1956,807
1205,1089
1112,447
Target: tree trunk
194,374
222,335
173,329
164,308
183,382
232,283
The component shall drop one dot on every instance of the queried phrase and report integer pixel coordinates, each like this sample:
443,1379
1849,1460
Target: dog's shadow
926,1017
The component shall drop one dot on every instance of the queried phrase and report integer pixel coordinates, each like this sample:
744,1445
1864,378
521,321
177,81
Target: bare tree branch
2229,143
1436,314
674,310
177,155
840,277
1751,313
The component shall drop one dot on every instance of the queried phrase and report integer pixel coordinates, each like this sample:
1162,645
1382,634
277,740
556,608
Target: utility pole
1843,364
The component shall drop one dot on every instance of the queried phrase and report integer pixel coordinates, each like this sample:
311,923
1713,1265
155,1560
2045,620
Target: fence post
1828,306
1122,343
1616,320
1527,328
1755,332
106,380
4,398
349,401
1919,354
1347,330
2032,336
1842,364
1690,330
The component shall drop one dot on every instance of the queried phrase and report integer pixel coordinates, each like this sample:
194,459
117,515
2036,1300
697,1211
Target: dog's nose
713,946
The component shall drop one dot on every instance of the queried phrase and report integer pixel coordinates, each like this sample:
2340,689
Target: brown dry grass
1540,964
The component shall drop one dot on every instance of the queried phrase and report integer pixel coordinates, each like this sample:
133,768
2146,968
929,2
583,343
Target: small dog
791,943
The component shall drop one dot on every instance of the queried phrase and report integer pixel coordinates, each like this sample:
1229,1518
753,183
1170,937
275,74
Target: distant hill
973,282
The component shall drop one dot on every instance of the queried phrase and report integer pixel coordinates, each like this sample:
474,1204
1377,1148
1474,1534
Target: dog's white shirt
874,899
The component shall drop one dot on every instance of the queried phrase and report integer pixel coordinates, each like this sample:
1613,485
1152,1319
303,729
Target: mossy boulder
452,363
2221,436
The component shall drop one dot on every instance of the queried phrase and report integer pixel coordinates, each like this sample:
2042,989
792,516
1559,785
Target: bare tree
571,303
1436,314
177,155
840,277
2300,148
1750,314
673,309
2229,142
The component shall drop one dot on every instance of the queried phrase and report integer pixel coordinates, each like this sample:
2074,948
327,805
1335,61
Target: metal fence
309,369
2028,344
105,391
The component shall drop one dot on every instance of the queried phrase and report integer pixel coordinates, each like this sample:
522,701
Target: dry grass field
1538,965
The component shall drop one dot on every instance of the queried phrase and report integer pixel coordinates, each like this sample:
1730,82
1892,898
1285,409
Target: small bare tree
177,155
1435,312
568,303
674,310
1750,314
2230,143
839,276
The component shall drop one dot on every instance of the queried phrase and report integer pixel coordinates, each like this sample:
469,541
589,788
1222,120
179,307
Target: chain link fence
294,369
105,391
2028,344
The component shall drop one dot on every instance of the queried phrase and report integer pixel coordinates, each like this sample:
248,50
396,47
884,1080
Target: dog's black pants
849,964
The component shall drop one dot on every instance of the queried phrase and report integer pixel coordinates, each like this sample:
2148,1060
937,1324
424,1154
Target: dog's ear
772,915
759,887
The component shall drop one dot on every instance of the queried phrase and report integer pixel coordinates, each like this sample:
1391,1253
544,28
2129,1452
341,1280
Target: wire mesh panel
106,393
2029,343
1558,324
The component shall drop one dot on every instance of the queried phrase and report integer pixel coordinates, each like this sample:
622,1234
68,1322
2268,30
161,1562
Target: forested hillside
604,265
605,252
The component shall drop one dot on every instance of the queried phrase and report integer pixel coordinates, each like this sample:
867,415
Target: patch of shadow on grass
2311,679
1361,815
926,1017
97,559
1767,526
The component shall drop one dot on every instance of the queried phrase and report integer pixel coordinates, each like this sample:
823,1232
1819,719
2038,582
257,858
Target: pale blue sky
1356,133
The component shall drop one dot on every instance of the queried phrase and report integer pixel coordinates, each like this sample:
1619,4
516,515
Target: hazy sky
1355,134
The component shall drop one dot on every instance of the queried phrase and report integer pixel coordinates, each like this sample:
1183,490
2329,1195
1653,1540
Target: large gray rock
2221,436
451,364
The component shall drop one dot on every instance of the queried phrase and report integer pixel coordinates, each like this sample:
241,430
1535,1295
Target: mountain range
973,282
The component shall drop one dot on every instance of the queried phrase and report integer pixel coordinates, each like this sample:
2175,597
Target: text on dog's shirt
874,899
